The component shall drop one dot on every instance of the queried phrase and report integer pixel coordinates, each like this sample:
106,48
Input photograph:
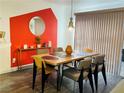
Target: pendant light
71,25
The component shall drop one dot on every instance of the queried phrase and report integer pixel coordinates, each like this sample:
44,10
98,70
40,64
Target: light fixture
71,25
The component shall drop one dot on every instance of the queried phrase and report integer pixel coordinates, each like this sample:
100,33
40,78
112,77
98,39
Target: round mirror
37,25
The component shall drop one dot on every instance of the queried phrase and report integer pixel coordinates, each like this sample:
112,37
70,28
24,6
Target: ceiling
78,4
62,1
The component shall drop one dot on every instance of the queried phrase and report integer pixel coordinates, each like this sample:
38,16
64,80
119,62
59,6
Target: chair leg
44,78
75,64
61,81
74,87
61,77
43,83
80,85
96,79
91,81
58,78
104,74
34,75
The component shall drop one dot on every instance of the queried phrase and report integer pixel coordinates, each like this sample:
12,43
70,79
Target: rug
119,88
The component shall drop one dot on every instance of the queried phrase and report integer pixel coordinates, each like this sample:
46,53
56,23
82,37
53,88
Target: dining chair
82,72
88,50
42,51
85,50
45,70
58,49
98,65
60,52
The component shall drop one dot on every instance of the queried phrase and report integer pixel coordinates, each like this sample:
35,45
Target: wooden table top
63,58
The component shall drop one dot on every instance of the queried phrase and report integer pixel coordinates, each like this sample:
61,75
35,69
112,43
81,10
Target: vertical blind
102,32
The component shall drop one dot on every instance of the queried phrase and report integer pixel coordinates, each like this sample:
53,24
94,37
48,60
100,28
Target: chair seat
66,66
99,68
74,74
69,65
48,69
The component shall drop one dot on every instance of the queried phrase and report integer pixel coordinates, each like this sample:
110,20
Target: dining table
60,58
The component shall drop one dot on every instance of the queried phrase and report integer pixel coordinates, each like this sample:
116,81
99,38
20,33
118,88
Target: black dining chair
58,49
98,65
42,51
82,72
45,70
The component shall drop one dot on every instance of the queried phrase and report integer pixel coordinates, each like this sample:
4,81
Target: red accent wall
20,33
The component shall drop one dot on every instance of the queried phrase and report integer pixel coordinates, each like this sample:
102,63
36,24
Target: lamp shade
71,25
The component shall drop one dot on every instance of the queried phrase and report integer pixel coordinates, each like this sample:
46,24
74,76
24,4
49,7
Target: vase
38,45
68,50
25,46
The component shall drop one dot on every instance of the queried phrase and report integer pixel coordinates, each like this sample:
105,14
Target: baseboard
12,69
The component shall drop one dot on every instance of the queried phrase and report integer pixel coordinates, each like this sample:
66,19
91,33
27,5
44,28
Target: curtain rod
101,11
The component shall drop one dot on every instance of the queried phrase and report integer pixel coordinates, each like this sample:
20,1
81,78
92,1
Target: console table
20,50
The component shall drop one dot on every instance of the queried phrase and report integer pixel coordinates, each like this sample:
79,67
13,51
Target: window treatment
102,32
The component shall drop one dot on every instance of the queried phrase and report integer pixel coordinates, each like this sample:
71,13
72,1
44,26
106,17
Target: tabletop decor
68,50
2,36
37,39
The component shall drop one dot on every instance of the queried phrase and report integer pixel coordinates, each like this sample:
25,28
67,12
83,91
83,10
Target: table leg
18,59
58,78
75,64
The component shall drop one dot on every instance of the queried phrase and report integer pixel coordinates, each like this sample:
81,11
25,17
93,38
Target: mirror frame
42,24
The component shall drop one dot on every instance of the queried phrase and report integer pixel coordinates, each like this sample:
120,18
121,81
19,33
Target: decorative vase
68,50
25,46
38,45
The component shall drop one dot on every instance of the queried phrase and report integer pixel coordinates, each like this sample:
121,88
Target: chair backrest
99,59
39,62
85,64
42,51
59,49
88,50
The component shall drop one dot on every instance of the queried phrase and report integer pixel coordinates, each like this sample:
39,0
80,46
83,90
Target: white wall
4,58
9,8
21,7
